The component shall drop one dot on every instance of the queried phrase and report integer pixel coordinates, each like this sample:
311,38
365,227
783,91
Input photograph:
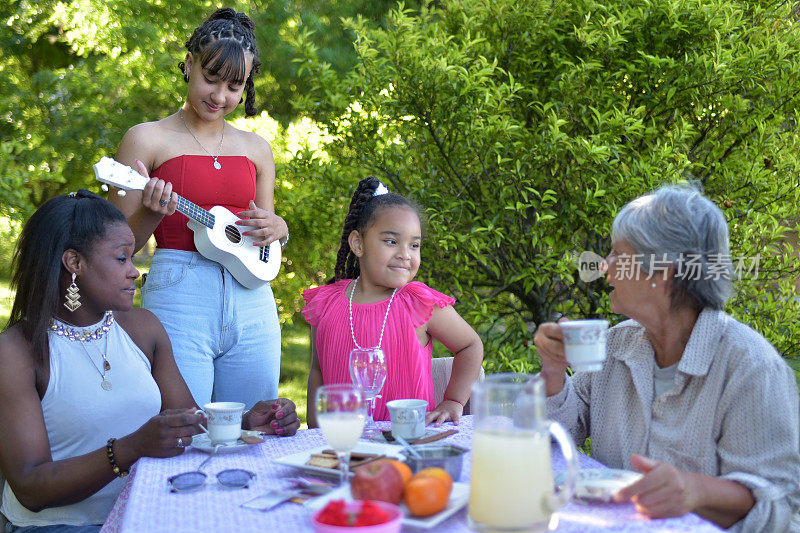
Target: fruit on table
438,473
379,480
335,514
404,469
427,494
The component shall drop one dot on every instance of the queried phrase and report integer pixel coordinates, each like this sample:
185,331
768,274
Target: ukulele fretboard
195,212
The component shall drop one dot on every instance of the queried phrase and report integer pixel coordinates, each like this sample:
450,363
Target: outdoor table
146,503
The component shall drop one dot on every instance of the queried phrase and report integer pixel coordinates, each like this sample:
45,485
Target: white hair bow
380,189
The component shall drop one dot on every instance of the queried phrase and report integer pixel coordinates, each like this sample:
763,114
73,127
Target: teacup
224,421
585,343
408,418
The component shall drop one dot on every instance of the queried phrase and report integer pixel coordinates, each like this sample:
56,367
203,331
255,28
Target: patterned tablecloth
146,503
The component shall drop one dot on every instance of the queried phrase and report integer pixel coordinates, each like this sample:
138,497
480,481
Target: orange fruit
404,469
438,473
426,495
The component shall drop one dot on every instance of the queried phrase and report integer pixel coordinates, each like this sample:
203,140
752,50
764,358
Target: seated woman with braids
87,383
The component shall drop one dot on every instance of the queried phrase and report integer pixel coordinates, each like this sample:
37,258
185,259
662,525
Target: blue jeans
226,338
57,528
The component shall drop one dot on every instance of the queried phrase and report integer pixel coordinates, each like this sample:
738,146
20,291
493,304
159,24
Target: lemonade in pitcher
512,487
512,478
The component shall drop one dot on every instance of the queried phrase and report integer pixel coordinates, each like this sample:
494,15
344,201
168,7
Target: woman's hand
157,194
274,417
446,410
549,342
158,437
269,226
663,491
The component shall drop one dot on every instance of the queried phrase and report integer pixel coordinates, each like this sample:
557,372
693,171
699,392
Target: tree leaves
522,127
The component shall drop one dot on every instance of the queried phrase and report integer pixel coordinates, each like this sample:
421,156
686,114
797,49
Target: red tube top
195,178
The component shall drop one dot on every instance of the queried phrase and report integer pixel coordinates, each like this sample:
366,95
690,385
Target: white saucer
203,443
378,437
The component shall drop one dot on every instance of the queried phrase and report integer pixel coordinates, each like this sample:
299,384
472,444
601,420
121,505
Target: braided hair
220,43
76,221
363,208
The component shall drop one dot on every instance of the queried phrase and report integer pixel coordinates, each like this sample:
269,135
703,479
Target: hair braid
363,207
210,45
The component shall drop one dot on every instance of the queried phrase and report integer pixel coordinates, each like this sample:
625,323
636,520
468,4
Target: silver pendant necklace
84,335
105,383
352,330
217,164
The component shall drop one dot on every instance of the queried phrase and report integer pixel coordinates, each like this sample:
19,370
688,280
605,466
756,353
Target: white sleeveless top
80,416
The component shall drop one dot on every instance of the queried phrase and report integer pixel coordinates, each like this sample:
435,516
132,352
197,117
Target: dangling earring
73,298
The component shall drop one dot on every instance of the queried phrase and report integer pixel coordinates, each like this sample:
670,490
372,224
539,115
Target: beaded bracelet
452,400
114,467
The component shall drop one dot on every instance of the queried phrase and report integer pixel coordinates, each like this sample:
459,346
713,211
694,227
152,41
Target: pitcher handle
563,493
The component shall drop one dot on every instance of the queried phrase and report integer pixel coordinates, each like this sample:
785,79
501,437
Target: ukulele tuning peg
104,187
121,193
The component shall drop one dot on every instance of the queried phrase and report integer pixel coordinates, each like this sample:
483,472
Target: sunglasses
234,478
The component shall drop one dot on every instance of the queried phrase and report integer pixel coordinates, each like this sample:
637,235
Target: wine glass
368,372
340,415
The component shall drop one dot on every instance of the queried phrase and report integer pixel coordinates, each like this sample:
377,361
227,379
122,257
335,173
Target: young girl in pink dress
372,300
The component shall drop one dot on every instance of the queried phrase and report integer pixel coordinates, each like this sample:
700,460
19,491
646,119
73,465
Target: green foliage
521,127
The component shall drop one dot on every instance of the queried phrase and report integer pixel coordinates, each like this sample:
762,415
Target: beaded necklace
84,335
383,326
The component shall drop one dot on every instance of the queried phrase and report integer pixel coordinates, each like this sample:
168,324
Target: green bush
521,127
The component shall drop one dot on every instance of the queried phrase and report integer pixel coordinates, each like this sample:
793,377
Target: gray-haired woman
701,404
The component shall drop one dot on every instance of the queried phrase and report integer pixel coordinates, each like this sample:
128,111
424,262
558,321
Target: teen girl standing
373,295
226,337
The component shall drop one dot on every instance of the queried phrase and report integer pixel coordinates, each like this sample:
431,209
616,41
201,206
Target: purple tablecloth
146,503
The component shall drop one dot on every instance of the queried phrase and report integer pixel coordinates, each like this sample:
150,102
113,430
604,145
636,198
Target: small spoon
408,447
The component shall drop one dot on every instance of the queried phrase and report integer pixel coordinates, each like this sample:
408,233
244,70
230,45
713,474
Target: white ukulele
216,235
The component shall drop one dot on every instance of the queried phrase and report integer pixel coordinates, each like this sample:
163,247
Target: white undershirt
663,378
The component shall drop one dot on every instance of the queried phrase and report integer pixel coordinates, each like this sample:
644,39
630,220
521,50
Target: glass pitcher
512,487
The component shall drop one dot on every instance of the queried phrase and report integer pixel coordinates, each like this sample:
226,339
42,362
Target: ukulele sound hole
232,233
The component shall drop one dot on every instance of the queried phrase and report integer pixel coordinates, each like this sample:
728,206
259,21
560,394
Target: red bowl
392,526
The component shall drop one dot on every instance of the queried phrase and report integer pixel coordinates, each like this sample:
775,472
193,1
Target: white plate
203,443
298,460
458,499
601,484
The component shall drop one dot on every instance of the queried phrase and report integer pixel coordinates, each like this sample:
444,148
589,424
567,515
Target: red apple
378,480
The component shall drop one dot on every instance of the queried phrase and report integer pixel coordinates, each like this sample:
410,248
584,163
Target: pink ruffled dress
408,364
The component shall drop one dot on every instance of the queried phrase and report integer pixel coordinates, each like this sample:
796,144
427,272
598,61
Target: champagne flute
368,372
340,415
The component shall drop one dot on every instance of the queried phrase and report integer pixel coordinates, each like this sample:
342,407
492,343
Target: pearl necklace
386,316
